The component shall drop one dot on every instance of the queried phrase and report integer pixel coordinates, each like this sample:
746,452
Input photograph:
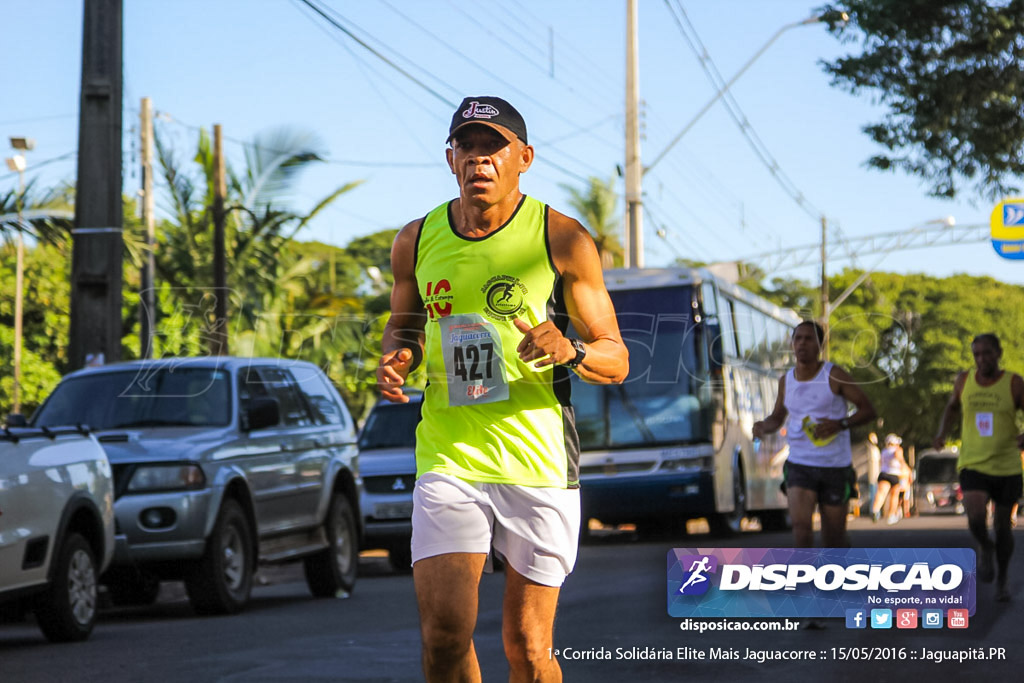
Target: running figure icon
696,570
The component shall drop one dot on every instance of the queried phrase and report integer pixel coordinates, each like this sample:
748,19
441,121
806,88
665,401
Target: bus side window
727,328
712,327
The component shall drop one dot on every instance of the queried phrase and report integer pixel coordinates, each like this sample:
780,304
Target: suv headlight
167,478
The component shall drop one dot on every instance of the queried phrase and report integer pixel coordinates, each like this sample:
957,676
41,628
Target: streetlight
17,163
634,181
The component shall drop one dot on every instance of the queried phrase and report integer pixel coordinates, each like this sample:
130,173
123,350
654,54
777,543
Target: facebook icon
856,618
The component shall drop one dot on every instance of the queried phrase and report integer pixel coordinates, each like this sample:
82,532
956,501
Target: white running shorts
536,530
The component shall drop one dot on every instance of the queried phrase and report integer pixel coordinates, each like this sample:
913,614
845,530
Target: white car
56,526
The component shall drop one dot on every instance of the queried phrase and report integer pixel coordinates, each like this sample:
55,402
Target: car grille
392,483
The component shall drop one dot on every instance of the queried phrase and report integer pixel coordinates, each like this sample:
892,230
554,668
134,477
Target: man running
819,471
485,288
990,460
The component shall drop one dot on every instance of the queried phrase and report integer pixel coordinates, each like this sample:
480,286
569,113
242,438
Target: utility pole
219,338
98,248
634,246
147,302
824,288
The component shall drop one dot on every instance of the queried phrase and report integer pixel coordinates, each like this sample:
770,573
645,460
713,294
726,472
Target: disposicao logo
804,582
1007,225
697,580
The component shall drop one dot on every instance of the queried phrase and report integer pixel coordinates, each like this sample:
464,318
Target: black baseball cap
492,112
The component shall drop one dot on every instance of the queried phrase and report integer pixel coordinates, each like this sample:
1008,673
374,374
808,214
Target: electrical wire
756,144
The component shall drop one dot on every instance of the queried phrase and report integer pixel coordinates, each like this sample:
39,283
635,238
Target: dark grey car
220,463
387,448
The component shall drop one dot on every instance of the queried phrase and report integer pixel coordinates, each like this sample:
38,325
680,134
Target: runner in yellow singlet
486,287
990,460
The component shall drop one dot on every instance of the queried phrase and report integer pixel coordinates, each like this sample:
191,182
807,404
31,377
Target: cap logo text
480,111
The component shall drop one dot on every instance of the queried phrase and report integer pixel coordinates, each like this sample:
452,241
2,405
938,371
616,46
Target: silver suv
56,527
219,463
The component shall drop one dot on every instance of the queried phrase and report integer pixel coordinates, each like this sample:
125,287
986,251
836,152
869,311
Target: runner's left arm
842,384
589,308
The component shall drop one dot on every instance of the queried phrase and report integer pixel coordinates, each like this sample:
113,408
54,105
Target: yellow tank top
989,428
487,416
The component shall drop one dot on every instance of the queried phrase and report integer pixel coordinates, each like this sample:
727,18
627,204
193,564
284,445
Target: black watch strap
845,423
581,352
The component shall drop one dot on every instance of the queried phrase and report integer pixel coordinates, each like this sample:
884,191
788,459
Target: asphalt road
615,600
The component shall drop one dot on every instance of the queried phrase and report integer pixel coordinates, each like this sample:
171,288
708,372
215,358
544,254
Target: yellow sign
1007,224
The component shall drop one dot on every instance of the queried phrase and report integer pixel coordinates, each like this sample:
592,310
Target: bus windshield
659,403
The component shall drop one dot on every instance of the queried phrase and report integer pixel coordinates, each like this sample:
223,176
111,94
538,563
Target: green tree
258,229
597,208
949,74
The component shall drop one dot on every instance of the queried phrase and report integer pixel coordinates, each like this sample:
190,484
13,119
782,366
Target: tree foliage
904,338
597,207
949,74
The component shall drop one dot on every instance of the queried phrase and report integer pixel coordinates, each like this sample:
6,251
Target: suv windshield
391,426
173,397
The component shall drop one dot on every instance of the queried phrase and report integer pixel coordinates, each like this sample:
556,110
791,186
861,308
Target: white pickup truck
56,526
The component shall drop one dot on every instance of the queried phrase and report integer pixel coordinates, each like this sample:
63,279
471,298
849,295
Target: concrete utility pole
219,338
147,302
98,246
634,169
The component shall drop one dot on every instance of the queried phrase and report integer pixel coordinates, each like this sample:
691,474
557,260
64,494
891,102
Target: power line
476,64
442,98
372,82
758,146
585,60
375,53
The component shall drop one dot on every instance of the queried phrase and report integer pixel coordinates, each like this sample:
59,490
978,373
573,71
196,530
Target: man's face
986,358
805,344
486,165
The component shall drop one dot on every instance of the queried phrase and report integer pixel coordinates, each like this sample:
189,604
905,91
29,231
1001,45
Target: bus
673,441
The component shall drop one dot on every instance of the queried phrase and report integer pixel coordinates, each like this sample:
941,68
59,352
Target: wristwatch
581,353
844,423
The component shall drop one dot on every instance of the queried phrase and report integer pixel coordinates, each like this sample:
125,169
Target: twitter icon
881,618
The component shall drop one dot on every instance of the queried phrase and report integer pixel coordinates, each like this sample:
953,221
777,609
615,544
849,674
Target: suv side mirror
262,412
16,420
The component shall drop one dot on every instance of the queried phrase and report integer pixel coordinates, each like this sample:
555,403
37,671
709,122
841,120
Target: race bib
983,421
473,360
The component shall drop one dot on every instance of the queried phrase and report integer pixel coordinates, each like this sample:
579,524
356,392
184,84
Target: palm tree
259,225
597,207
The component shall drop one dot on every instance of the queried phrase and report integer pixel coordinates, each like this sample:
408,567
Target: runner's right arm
402,344
949,412
773,422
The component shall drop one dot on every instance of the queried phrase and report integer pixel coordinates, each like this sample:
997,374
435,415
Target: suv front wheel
67,610
334,569
220,581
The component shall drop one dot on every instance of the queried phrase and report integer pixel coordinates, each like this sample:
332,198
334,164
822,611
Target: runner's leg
801,510
833,526
976,506
528,620
447,591
1004,542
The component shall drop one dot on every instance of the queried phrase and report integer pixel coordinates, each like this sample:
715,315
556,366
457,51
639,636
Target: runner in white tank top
814,396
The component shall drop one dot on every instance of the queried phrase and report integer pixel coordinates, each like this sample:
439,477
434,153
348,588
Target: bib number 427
473,363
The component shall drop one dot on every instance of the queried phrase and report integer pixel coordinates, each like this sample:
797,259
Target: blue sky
252,65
